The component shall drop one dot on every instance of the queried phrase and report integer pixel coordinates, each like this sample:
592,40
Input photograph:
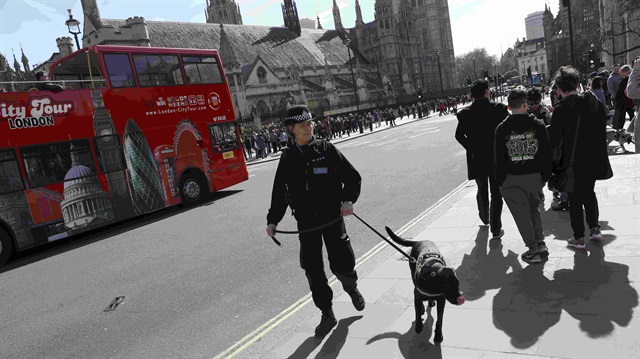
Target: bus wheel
6,246
193,188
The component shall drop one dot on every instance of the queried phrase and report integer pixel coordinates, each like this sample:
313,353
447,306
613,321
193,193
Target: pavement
578,304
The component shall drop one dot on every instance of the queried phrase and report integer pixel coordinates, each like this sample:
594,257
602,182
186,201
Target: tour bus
135,129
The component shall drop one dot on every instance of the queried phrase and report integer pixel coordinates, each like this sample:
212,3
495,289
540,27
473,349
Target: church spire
227,55
337,20
358,14
25,61
319,25
16,64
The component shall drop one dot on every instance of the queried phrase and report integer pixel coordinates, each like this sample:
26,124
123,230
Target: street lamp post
567,4
74,27
474,67
440,71
346,43
613,42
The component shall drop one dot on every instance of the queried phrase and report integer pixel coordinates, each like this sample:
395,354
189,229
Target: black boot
327,323
357,299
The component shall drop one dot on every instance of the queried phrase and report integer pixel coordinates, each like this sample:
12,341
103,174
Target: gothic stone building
271,67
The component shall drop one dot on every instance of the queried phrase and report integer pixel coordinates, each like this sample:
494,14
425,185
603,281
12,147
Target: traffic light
500,79
529,71
486,74
419,93
469,80
592,59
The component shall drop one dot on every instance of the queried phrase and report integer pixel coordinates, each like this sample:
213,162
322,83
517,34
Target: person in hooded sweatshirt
522,165
586,115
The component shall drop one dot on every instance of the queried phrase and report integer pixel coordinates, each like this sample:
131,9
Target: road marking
265,328
424,133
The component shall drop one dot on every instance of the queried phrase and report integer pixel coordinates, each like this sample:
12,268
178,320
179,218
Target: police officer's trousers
341,260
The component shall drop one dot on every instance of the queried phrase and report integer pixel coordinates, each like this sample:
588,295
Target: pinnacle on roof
227,55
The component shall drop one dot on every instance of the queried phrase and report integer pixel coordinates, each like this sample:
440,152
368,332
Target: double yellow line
265,328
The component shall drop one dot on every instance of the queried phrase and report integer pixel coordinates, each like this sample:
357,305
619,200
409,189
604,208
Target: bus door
227,160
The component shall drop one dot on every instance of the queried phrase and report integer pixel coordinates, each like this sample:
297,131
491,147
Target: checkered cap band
304,116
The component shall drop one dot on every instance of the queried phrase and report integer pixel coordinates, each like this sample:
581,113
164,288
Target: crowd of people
272,138
513,155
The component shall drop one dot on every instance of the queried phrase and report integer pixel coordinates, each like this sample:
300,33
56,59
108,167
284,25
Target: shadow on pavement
595,292
480,271
527,306
413,345
333,345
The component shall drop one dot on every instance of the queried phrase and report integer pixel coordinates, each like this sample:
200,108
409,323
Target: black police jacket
313,180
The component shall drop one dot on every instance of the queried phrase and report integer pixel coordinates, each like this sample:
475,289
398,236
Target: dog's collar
425,257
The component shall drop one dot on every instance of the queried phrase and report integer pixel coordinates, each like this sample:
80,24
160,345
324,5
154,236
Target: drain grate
114,304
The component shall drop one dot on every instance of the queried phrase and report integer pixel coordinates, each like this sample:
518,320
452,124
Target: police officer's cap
298,114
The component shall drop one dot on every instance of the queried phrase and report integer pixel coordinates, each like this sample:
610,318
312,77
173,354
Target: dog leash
305,230
411,259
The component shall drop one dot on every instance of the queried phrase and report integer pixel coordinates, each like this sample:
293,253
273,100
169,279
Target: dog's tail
400,241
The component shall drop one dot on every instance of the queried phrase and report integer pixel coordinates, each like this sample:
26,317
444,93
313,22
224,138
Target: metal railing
19,86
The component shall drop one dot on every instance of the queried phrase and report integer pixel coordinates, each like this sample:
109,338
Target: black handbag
565,180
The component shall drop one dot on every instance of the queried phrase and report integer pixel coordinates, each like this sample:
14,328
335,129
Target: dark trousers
583,196
620,117
341,260
489,212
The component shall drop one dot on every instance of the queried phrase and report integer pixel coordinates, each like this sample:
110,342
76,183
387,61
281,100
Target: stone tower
290,16
223,12
389,63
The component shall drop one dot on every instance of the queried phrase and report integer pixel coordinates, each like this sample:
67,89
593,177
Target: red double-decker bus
136,129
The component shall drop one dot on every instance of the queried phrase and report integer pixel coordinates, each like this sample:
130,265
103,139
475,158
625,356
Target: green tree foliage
483,61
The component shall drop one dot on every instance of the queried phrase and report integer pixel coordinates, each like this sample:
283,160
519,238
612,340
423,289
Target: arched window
386,23
262,107
262,75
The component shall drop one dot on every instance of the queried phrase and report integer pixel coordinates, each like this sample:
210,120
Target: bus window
202,70
119,70
158,70
56,162
223,137
109,153
10,177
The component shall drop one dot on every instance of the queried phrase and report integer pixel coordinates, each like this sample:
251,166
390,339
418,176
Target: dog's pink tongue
460,300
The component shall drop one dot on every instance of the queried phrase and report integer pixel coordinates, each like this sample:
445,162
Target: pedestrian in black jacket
320,186
475,132
591,160
522,167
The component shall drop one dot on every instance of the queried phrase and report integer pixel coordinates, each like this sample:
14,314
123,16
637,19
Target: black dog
433,281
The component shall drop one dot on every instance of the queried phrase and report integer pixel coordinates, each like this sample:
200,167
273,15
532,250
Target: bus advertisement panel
139,129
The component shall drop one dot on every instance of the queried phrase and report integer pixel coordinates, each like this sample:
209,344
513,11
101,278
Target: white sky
492,24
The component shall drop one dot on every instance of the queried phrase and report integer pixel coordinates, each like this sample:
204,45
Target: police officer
320,186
